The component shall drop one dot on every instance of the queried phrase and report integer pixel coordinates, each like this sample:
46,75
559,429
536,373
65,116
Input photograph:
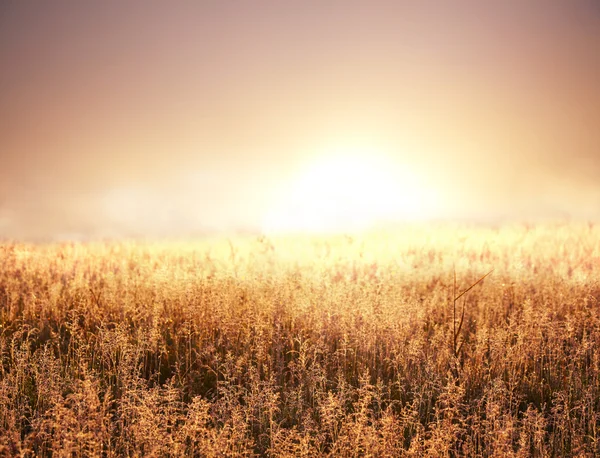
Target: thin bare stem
472,286
456,332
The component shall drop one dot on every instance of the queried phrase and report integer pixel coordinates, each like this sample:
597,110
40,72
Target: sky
171,118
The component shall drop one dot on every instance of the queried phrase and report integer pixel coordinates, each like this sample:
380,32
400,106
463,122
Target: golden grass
331,346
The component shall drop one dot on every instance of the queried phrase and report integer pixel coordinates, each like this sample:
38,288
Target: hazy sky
139,117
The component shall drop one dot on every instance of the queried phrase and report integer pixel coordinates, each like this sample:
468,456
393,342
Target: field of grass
322,346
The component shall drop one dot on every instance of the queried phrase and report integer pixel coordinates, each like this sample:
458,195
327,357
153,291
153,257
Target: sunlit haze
348,189
125,120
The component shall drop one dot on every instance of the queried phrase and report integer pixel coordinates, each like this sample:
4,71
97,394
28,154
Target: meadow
307,346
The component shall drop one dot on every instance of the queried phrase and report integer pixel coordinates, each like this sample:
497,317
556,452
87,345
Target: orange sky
121,120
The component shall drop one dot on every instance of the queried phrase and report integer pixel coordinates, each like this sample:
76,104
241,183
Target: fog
181,120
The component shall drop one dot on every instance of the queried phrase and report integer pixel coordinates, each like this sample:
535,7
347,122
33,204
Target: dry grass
304,347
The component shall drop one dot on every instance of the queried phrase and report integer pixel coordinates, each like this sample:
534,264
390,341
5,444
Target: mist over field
165,121
340,228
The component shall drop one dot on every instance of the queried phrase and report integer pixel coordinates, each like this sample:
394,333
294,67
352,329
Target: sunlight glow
349,191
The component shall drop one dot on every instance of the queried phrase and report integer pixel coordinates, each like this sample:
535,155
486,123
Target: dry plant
456,347
310,346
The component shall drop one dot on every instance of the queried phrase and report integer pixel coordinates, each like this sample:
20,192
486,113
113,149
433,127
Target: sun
347,191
